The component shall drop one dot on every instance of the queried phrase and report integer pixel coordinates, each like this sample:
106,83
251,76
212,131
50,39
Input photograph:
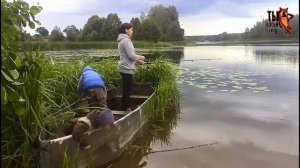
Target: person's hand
142,58
87,147
141,62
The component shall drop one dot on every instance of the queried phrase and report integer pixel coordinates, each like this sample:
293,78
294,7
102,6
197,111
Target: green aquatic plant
50,89
21,118
224,80
68,45
59,84
67,162
164,75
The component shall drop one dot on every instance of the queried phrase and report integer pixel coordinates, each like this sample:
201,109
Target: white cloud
65,6
213,21
202,25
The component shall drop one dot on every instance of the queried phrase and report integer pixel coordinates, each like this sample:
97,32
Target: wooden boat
105,145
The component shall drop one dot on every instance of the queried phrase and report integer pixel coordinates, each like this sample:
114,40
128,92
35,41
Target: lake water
245,98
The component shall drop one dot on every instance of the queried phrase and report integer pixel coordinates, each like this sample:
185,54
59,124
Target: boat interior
139,94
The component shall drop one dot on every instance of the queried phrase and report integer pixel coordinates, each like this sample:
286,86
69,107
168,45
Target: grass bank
68,45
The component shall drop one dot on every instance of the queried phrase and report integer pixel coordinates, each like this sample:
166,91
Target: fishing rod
183,148
175,149
169,150
203,59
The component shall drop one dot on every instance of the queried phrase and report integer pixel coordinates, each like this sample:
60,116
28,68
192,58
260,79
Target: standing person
128,58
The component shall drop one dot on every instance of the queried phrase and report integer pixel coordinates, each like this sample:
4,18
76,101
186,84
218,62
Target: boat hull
105,145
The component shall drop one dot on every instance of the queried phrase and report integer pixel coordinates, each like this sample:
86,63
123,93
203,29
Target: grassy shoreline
67,45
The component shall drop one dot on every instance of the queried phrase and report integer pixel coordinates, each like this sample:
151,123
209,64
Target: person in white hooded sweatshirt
127,62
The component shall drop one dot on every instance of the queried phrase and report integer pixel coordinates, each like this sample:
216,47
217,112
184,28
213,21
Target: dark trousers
126,83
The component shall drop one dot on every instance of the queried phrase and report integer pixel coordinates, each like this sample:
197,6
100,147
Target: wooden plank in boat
119,112
134,96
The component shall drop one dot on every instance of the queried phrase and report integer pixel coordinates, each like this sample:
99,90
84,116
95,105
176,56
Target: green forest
160,24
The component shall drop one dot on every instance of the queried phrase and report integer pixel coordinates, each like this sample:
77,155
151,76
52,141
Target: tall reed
50,87
68,45
22,118
60,81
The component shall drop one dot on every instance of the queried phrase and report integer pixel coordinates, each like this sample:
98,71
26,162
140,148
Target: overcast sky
196,17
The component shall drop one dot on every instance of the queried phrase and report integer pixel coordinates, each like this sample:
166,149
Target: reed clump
69,45
49,89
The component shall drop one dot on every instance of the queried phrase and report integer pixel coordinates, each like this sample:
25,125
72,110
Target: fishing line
182,148
174,149
202,59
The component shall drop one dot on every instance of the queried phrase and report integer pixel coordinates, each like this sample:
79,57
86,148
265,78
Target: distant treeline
258,32
160,24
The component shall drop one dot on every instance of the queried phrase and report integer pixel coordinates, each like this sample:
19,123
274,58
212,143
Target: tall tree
174,32
143,16
92,29
173,14
42,31
166,19
246,34
136,27
56,34
160,17
110,27
72,33
149,31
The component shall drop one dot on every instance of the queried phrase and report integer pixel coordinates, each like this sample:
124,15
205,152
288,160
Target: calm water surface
245,98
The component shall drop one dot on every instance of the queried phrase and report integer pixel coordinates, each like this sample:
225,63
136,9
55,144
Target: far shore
294,42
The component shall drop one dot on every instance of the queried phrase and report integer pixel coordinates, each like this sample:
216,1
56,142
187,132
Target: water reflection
257,129
155,131
174,54
276,55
